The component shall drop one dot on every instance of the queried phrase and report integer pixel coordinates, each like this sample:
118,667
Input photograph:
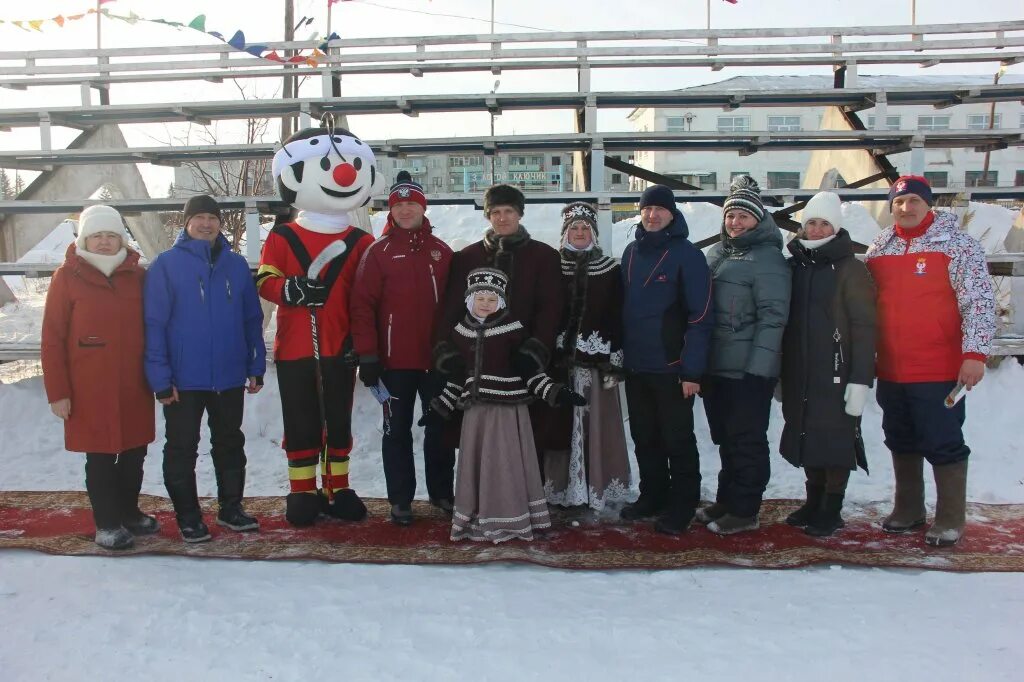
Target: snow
160,618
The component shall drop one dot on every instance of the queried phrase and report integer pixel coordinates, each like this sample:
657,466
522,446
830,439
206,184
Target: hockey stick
330,252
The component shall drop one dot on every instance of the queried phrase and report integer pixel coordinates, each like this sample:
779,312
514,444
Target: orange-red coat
92,352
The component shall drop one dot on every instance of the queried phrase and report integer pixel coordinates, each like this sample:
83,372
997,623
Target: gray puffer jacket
751,297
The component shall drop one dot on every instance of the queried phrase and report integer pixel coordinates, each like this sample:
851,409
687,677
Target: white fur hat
100,218
824,206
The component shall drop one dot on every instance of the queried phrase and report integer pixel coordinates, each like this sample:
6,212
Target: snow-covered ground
158,618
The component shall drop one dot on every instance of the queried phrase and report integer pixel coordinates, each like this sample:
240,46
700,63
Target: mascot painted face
326,171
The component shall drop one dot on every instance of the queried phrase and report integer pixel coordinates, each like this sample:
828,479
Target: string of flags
237,39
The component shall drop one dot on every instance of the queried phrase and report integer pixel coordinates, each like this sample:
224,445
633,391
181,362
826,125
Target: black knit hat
658,195
201,203
579,210
745,194
504,195
486,279
406,189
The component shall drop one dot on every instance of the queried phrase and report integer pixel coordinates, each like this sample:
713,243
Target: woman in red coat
92,353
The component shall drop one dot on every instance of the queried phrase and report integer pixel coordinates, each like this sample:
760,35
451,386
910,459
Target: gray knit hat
745,194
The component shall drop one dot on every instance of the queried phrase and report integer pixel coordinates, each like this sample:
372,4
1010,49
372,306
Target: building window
616,178
556,161
783,124
980,121
979,179
783,180
933,122
675,124
937,178
891,122
733,124
438,184
1018,179
460,161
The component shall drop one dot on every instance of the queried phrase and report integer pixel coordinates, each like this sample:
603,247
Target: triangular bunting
237,41
199,23
256,50
59,20
37,24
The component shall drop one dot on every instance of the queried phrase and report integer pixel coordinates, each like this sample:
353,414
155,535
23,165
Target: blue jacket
667,317
204,324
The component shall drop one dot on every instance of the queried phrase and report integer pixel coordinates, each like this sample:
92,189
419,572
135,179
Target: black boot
230,485
129,483
803,515
401,514
675,520
644,508
181,488
347,506
827,519
301,509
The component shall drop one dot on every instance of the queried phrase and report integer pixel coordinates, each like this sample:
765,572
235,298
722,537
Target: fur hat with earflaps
504,195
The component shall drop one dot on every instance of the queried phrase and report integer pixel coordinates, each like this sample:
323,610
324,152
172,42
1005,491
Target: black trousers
113,482
396,446
661,425
227,443
738,412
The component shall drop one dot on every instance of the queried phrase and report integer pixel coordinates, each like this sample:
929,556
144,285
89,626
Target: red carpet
61,523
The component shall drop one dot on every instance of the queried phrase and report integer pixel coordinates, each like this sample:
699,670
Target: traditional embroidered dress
585,457
498,491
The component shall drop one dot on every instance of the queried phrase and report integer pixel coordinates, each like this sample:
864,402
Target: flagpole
98,24
709,14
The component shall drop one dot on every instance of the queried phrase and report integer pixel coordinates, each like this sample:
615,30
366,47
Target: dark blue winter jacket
667,317
204,324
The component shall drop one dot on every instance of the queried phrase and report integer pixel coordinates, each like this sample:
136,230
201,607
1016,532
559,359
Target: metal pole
288,85
913,12
709,14
991,125
99,32
492,17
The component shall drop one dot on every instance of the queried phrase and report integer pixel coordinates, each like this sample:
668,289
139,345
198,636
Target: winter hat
579,210
100,219
745,194
489,280
658,195
911,184
824,206
406,189
201,203
504,195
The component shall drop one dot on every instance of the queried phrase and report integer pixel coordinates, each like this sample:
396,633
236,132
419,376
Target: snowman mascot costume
308,268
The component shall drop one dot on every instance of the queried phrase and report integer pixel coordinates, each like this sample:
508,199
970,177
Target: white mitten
856,395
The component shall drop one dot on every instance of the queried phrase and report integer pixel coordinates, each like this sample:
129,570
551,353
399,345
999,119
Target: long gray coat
829,343
751,299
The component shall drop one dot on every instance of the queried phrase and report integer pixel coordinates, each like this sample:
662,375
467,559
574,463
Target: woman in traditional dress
585,458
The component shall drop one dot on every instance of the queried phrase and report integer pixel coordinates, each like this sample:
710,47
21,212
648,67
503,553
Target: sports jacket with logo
398,289
936,305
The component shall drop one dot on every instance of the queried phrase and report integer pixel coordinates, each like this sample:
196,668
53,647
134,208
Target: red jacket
936,306
92,353
279,260
397,293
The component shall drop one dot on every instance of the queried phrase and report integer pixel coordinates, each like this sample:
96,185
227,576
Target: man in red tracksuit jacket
398,289
324,174
936,321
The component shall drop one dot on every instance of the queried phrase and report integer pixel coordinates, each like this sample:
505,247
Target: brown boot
908,510
950,505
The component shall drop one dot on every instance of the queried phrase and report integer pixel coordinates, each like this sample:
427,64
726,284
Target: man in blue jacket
667,323
204,347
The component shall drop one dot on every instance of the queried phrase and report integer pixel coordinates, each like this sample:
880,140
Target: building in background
956,168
